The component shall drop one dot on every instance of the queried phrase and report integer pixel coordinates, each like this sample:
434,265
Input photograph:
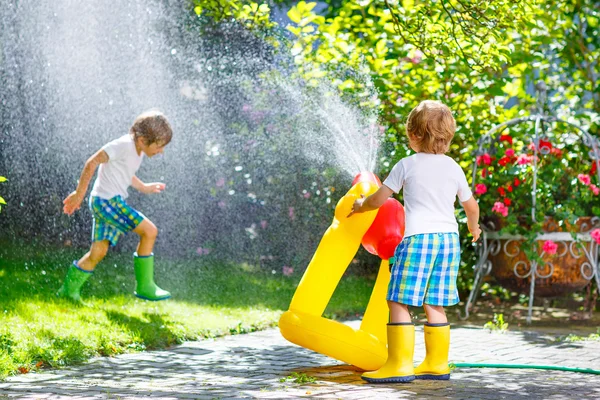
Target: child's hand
154,187
357,205
72,203
476,232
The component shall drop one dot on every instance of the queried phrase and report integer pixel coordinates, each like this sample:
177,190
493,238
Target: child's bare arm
147,188
73,201
372,202
472,209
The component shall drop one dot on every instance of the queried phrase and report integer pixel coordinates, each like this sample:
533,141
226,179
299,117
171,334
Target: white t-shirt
114,176
431,184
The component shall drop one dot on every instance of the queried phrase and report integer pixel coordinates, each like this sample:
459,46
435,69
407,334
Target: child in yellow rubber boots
426,261
119,160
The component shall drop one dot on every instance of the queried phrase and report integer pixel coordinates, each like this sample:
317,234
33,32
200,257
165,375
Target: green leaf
408,4
3,179
2,200
264,8
294,15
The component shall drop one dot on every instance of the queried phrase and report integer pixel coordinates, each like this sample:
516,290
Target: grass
210,299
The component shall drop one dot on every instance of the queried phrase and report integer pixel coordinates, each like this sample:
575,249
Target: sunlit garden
276,108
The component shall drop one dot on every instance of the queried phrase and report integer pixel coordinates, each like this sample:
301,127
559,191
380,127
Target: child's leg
401,342
147,232
81,270
441,291
435,314
97,252
143,261
399,312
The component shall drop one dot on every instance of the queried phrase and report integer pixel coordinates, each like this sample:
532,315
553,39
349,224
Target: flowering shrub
566,187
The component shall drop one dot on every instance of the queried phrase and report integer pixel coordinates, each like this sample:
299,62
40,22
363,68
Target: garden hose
526,366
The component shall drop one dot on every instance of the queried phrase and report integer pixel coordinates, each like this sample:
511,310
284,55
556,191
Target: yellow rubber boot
437,345
399,364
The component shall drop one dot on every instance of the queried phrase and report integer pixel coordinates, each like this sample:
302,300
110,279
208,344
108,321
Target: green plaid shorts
113,218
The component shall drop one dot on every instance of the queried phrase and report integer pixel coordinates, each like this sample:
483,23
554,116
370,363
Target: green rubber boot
74,280
144,275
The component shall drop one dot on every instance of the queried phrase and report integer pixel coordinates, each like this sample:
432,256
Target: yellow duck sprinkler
379,231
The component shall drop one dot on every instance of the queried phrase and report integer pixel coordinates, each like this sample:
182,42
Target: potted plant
539,195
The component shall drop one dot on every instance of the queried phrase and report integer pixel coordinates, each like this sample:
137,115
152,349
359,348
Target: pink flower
220,182
550,247
480,188
486,159
584,178
263,224
221,204
500,208
306,195
202,251
291,213
596,235
510,152
595,189
524,159
287,271
418,56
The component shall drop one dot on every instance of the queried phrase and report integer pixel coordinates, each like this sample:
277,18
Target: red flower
480,188
557,152
486,159
504,160
502,191
484,173
517,182
593,170
506,138
509,188
507,201
545,147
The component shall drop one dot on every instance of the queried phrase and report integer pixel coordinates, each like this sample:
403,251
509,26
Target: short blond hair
153,127
430,127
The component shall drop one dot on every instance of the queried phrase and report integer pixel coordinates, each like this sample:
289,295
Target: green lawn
210,299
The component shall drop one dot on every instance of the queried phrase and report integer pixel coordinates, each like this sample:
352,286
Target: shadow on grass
152,333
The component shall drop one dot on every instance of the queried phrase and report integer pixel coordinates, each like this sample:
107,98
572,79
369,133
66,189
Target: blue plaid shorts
425,270
113,218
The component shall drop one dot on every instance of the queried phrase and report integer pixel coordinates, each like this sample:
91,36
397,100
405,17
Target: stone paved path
254,365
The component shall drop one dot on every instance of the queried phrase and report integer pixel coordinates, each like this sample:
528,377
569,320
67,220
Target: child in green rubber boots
426,261
119,160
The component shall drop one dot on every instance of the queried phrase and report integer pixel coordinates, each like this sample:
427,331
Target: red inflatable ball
386,231
366,176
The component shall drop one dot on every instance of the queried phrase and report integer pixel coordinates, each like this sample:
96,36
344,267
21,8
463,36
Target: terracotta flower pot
565,272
